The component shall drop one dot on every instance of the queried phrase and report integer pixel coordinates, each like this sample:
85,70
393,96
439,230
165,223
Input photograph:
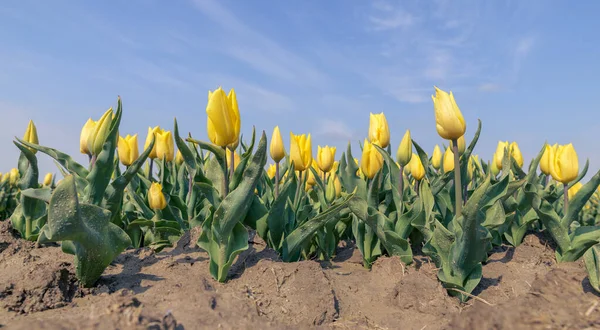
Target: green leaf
63,159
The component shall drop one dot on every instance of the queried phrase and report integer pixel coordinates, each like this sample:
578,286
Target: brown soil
521,288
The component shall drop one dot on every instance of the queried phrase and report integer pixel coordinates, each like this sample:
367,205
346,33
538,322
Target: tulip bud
515,152
237,123
5,177
493,166
564,166
461,145
178,158
165,149
379,132
48,180
573,190
371,161
436,158
100,132
271,171
86,131
325,158
276,148
499,155
14,176
471,165
404,153
152,132
222,119
545,160
236,159
450,123
156,198
448,160
416,168
127,148
300,151
31,135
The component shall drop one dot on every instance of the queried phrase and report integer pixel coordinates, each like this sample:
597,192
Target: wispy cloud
335,131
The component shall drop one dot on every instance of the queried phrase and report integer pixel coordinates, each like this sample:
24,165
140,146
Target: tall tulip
277,151
100,132
499,155
87,129
564,167
416,168
515,153
379,132
371,161
546,160
300,151
127,148
448,160
223,123
450,125
31,135
325,159
165,148
404,156
436,157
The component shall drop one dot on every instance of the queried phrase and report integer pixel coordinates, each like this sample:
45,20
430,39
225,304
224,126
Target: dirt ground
522,288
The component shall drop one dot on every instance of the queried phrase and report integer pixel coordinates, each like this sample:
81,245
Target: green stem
457,180
401,188
93,161
324,178
225,176
417,182
566,197
298,187
276,179
232,164
150,169
28,226
547,181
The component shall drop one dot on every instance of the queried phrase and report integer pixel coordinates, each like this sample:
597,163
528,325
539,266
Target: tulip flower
573,190
178,158
546,160
276,148
223,122
128,149
165,148
450,123
156,198
87,129
471,167
325,158
5,177
237,123
300,151
404,153
515,153
448,164
48,180
379,132
416,168
499,155
271,171
13,176
100,132
337,185
461,145
564,166
436,157
31,135
152,132
371,161
493,166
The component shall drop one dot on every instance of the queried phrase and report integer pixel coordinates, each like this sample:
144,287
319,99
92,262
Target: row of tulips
453,206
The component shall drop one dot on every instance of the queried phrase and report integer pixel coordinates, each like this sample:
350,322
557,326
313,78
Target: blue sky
527,69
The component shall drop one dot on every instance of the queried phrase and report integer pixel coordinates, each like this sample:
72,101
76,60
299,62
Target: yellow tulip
436,158
13,176
404,153
223,122
379,132
515,152
325,158
165,149
152,132
300,151
546,160
100,132
128,149
48,179
271,171
416,168
461,145
371,161
406,170
236,159
178,157
87,129
5,177
237,123
493,166
337,185
31,135
276,148
335,167
499,155
448,160
573,190
156,198
471,166
564,166
450,123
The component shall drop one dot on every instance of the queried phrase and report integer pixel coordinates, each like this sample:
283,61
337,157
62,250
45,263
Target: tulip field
210,229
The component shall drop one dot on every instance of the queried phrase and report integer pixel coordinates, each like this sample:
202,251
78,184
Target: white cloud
397,19
335,130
